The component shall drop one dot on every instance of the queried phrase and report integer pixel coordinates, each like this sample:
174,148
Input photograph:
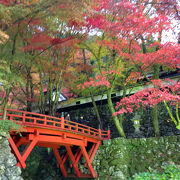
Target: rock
4,134
2,169
13,172
120,175
5,144
8,168
10,161
3,177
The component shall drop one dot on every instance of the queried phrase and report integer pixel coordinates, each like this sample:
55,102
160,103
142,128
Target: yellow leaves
35,77
98,52
80,78
4,66
132,78
3,37
71,69
30,2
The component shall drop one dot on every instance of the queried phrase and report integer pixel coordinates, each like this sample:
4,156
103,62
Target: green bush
7,125
171,172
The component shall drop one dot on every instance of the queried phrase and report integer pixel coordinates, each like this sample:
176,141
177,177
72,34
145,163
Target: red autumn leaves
168,91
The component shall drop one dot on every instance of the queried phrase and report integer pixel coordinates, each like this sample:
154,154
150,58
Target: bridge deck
78,140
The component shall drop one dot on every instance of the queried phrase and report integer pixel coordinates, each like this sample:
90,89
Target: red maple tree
131,33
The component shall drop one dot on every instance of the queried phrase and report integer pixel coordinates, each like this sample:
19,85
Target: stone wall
120,158
8,168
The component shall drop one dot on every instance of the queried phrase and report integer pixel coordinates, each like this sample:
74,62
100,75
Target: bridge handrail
41,120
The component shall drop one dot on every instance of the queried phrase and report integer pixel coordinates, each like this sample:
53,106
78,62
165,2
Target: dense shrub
171,172
7,125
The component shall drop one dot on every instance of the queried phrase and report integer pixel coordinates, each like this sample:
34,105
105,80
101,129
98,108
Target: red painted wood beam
60,161
94,152
90,167
60,140
28,149
72,158
77,155
90,153
17,153
64,134
65,156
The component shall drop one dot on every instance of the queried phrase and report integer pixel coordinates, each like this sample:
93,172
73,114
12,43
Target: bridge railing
39,120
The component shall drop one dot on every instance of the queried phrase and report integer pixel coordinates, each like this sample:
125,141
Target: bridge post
99,132
109,134
62,120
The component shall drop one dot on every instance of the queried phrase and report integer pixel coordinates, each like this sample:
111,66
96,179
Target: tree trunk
28,93
5,104
155,120
155,108
117,123
96,110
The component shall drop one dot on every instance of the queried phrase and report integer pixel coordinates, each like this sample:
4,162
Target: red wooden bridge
76,140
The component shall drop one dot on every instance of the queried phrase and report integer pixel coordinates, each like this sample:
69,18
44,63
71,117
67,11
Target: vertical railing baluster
10,118
45,120
24,118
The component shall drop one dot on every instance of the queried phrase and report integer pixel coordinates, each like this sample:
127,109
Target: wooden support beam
47,145
72,158
17,153
60,161
65,156
17,140
28,149
92,149
59,140
94,152
90,167
77,155
90,153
